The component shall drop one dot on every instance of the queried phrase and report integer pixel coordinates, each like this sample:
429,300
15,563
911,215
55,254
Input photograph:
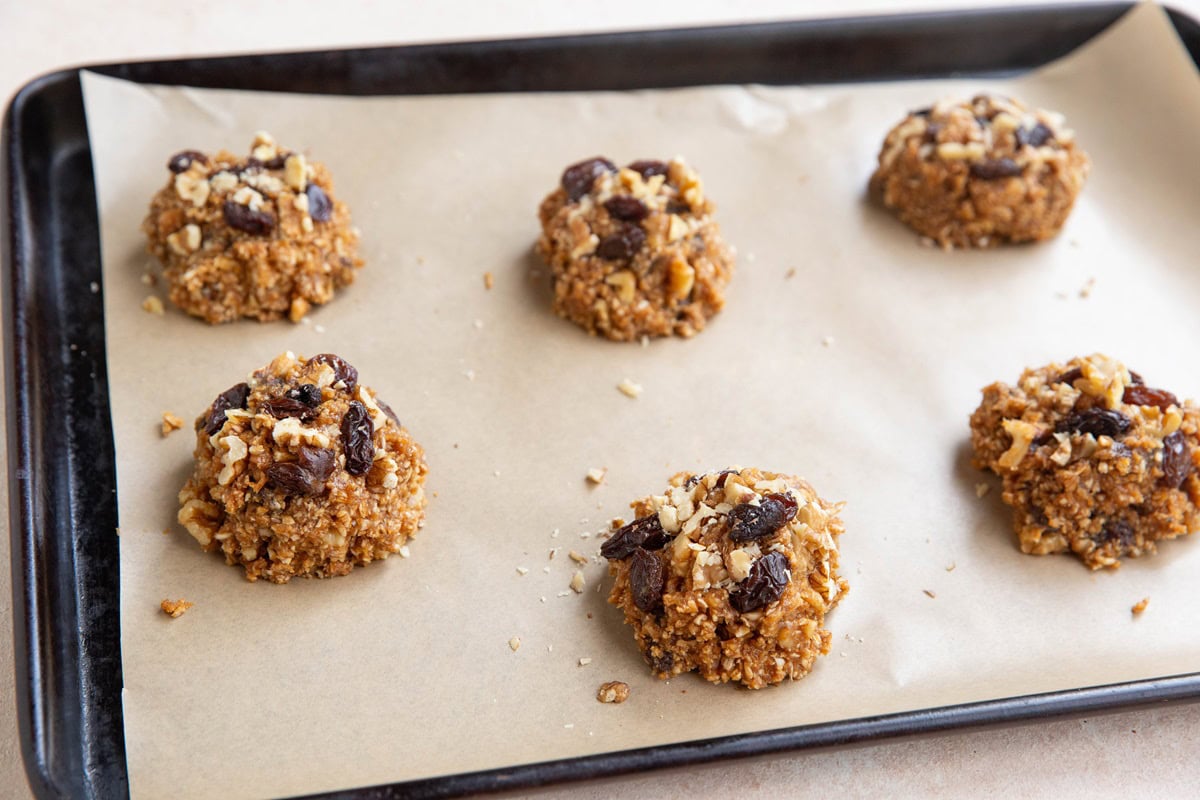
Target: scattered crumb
549,648
1086,291
522,570
1140,606
554,534
750,258
175,608
569,725
981,489
951,567
542,598
514,644
929,594
488,280
563,593
596,474
319,328
645,340
470,374
149,279
553,553
613,692
170,423
577,582
577,557
404,551
153,305
589,616
625,387
791,273
546,570
495,473
583,662
827,341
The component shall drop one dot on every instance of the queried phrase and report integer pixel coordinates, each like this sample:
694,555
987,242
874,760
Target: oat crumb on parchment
153,305
1140,606
577,582
577,557
929,594
1088,288
489,280
583,662
981,489
629,388
613,692
170,423
175,608
596,475
514,644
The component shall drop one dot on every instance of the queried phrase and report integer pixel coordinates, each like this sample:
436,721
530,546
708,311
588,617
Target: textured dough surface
283,488
1093,461
980,173
634,251
699,624
260,237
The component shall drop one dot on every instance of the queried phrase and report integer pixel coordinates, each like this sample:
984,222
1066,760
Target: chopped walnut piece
153,305
596,474
514,644
175,608
613,692
1140,606
170,423
629,388
577,582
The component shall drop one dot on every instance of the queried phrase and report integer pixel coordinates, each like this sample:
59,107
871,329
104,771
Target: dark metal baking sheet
63,508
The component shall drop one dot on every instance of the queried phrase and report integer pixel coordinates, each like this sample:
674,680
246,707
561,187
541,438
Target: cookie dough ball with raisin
729,574
980,173
634,251
260,237
302,470
1093,461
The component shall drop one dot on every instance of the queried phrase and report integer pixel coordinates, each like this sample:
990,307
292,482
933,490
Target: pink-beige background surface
767,122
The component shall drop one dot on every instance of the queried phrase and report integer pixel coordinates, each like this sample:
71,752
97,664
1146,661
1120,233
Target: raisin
292,478
244,218
764,585
307,393
1096,421
320,207
317,460
277,162
233,397
1070,376
1137,379
626,208
648,167
644,533
577,179
678,207
1142,395
931,132
249,165
181,162
623,244
1177,459
662,663
647,578
750,523
996,168
280,407
1119,531
387,410
921,112
357,431
723,476
342,371
1036,136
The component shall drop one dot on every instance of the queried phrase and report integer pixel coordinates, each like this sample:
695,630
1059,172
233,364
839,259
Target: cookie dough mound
980,173
258,237
730,574
1093,461
301,470
634,251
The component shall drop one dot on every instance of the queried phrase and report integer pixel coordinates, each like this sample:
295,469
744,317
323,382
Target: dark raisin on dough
648,167
578,179
342,371
247,220
319,461
1070,376
626,208
996,168
357,432
660,663
277,162
623,244
1177,459
387,410
307,393
1036,136
1096,421
644,533
182,161
764,585
647,577
320,207
233,397
750,523
1141,395
292,478
1119,531
280,407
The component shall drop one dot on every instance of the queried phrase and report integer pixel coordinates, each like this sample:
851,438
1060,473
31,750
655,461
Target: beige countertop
1143,753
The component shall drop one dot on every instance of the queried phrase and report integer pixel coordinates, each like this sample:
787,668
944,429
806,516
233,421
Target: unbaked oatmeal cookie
1093,460
980,173
729,574
260,237
302,470
634,251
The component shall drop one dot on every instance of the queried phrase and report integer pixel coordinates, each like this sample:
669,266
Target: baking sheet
403,670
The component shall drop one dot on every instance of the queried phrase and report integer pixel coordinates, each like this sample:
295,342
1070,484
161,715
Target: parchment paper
403,669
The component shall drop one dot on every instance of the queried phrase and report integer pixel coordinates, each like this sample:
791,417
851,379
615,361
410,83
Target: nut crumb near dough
175,608
488,280
629,388
170,423
613,692
153,305
1140,606
514,644
596,474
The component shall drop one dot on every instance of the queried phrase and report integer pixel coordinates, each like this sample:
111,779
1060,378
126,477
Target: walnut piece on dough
1092,460
634,251
979,173
260,237
730,574
302,470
